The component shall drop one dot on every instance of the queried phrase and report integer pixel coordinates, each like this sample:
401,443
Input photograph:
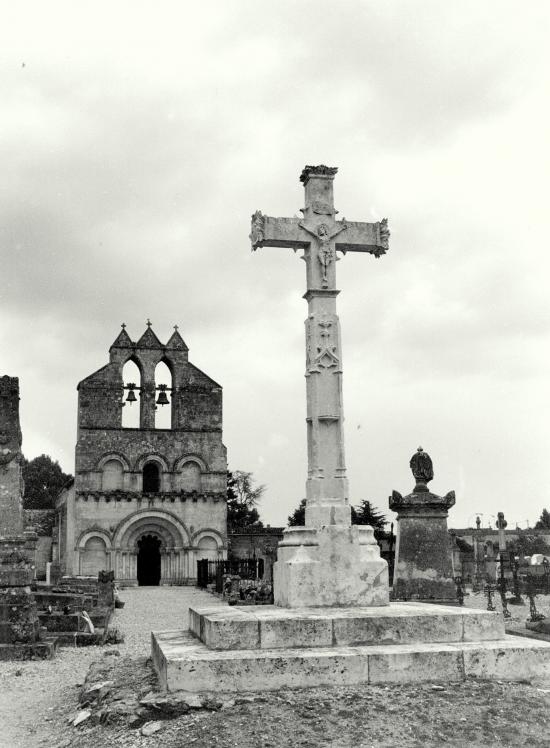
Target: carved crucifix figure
321,236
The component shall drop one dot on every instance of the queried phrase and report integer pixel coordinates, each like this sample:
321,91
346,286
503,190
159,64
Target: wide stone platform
271,627
265,648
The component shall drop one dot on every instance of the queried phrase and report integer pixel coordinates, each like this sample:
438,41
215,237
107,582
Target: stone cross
501,524
321,236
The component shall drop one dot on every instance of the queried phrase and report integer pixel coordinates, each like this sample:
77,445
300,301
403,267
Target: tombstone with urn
423,556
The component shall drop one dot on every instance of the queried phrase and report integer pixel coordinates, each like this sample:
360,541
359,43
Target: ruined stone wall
11,481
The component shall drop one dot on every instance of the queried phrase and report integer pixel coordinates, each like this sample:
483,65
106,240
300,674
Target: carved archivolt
151,457
108,456
192,457
146,517
208,532
93,532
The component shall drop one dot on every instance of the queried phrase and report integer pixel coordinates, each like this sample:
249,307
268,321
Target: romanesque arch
150,527
94,552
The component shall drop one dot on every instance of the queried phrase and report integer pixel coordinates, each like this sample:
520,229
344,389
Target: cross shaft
320,236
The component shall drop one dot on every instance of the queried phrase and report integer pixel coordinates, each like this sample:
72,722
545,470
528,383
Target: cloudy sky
137,138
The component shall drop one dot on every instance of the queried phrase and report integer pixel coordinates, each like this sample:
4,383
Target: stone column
423,567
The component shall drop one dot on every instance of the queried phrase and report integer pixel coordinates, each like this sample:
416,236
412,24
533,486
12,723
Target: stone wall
11,481
260,543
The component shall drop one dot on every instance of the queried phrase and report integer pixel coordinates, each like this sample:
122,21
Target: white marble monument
328,562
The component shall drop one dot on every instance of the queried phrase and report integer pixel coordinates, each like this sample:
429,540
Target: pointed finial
123,325
148,323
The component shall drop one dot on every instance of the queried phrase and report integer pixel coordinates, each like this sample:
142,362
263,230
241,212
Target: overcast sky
136,140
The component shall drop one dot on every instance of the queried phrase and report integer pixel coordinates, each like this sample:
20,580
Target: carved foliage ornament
321,170
384,234
257,229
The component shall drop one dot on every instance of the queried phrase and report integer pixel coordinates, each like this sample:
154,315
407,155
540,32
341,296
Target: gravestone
423,567
19,624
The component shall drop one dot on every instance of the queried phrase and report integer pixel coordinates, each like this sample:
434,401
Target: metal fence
209,572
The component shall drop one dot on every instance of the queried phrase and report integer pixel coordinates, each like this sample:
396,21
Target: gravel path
36,697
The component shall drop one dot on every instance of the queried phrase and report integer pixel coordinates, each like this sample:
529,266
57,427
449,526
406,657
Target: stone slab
271,627
184,663
43,650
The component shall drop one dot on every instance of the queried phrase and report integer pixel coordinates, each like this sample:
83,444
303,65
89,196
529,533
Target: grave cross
320,236
501,525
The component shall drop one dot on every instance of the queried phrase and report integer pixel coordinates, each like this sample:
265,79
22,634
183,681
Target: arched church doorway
148,561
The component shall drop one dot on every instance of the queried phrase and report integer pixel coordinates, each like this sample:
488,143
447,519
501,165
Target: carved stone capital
257,229
423,502
329,172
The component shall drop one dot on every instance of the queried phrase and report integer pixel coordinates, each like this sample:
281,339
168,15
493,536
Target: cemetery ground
39,700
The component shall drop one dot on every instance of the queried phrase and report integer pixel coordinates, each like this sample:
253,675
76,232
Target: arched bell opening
163,402
148,561
131,377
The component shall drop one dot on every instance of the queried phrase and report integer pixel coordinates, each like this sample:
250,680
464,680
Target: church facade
146,501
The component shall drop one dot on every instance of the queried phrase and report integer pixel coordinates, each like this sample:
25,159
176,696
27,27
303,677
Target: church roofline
92,375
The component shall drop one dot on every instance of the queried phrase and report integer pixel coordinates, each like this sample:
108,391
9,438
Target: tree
527,544
242,499
364,514
544,521
298,517
44,479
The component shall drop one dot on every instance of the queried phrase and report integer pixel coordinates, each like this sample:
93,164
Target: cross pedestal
328,562
332,624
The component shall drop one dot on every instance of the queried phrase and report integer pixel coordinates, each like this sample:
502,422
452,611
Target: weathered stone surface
423,567
328,562
330,566
39,650
408,663
272,627
514,658
185,664
11,483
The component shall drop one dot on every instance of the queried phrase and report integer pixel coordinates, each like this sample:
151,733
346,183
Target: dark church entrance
148,561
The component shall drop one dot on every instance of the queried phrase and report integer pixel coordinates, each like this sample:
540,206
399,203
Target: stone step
184,663
272,627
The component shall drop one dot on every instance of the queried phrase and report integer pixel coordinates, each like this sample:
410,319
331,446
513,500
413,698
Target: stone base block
43,650
421,588
271,627
184,663
16,577
334,565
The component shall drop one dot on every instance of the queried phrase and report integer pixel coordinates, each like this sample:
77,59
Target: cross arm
267,231
364,237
